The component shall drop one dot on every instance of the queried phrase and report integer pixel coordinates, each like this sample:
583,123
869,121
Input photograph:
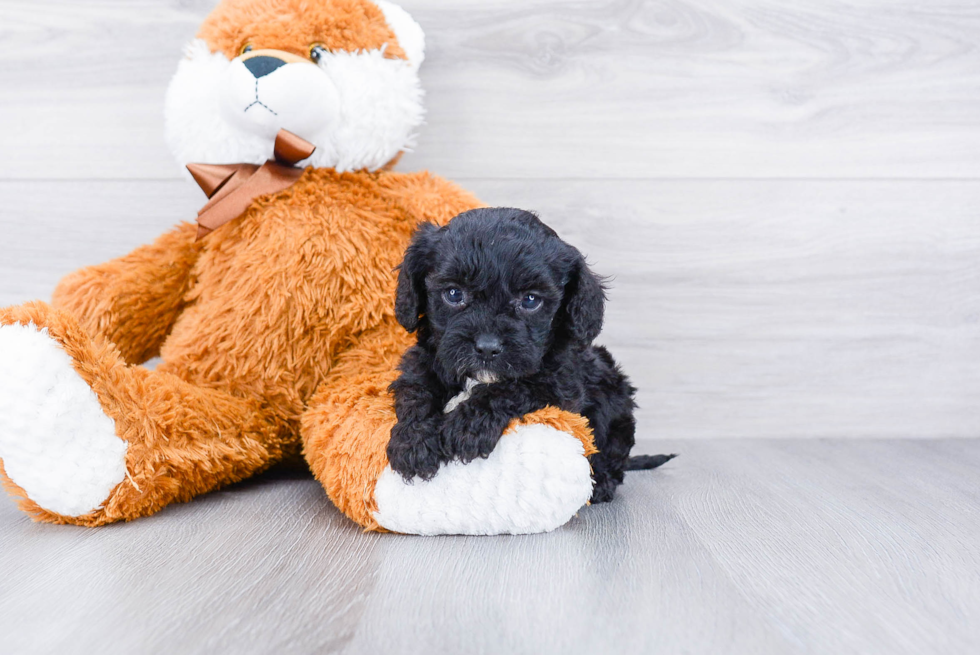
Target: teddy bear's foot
535,480
86,439
58,449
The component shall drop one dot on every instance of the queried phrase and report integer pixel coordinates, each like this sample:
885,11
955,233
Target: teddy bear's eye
317,50
245,48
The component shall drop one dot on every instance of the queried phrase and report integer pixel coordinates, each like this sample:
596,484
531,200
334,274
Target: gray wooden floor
738,546
786,195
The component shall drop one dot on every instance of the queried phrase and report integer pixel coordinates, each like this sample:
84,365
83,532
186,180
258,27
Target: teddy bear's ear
411,294
409,33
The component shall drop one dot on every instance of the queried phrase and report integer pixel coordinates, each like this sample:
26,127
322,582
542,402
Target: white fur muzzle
297,97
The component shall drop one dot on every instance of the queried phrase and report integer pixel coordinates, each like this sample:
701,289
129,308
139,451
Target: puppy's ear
584,303
410,297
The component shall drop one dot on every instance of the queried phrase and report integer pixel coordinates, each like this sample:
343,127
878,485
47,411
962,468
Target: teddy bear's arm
347,424
134,300
538,477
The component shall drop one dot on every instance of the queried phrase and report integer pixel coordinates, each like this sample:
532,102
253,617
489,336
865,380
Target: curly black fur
496,296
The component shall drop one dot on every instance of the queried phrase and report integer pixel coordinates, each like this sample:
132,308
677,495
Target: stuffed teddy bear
274,315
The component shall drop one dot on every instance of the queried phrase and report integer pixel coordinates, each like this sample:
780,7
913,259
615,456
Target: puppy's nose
489,346
262,65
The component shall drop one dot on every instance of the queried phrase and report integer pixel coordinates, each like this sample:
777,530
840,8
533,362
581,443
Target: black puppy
505,313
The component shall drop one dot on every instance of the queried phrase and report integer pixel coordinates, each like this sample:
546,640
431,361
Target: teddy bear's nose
262,65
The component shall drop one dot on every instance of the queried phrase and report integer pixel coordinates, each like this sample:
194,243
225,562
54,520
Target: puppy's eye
530,302
453,296
317,50
245,48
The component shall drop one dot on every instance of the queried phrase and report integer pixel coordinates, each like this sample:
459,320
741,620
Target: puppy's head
494,291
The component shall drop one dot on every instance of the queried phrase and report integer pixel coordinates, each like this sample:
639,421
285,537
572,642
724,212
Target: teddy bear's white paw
535,480
56,443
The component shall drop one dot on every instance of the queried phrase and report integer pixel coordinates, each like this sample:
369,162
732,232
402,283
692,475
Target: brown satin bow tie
231,188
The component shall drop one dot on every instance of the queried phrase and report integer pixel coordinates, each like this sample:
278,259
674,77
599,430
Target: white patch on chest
468,387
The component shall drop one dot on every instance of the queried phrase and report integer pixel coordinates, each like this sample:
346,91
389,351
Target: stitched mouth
259,103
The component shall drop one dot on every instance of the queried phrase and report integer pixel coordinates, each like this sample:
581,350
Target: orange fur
134,300
573,424
346,430
295,25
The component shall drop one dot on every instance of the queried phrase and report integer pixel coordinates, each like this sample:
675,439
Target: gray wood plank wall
785,195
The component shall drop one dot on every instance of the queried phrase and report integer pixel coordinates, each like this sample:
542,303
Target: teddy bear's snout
269,90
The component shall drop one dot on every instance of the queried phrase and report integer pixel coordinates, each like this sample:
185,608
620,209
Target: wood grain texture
553,88
740,546
764,308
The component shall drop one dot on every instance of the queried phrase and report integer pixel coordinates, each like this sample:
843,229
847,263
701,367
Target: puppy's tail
647,462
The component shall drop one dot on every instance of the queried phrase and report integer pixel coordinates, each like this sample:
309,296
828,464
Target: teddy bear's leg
86,439
535,480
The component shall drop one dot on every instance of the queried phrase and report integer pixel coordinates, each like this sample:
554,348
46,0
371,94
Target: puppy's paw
467,435
413,450
604,489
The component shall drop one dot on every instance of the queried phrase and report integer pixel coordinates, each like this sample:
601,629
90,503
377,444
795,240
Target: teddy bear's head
342,74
